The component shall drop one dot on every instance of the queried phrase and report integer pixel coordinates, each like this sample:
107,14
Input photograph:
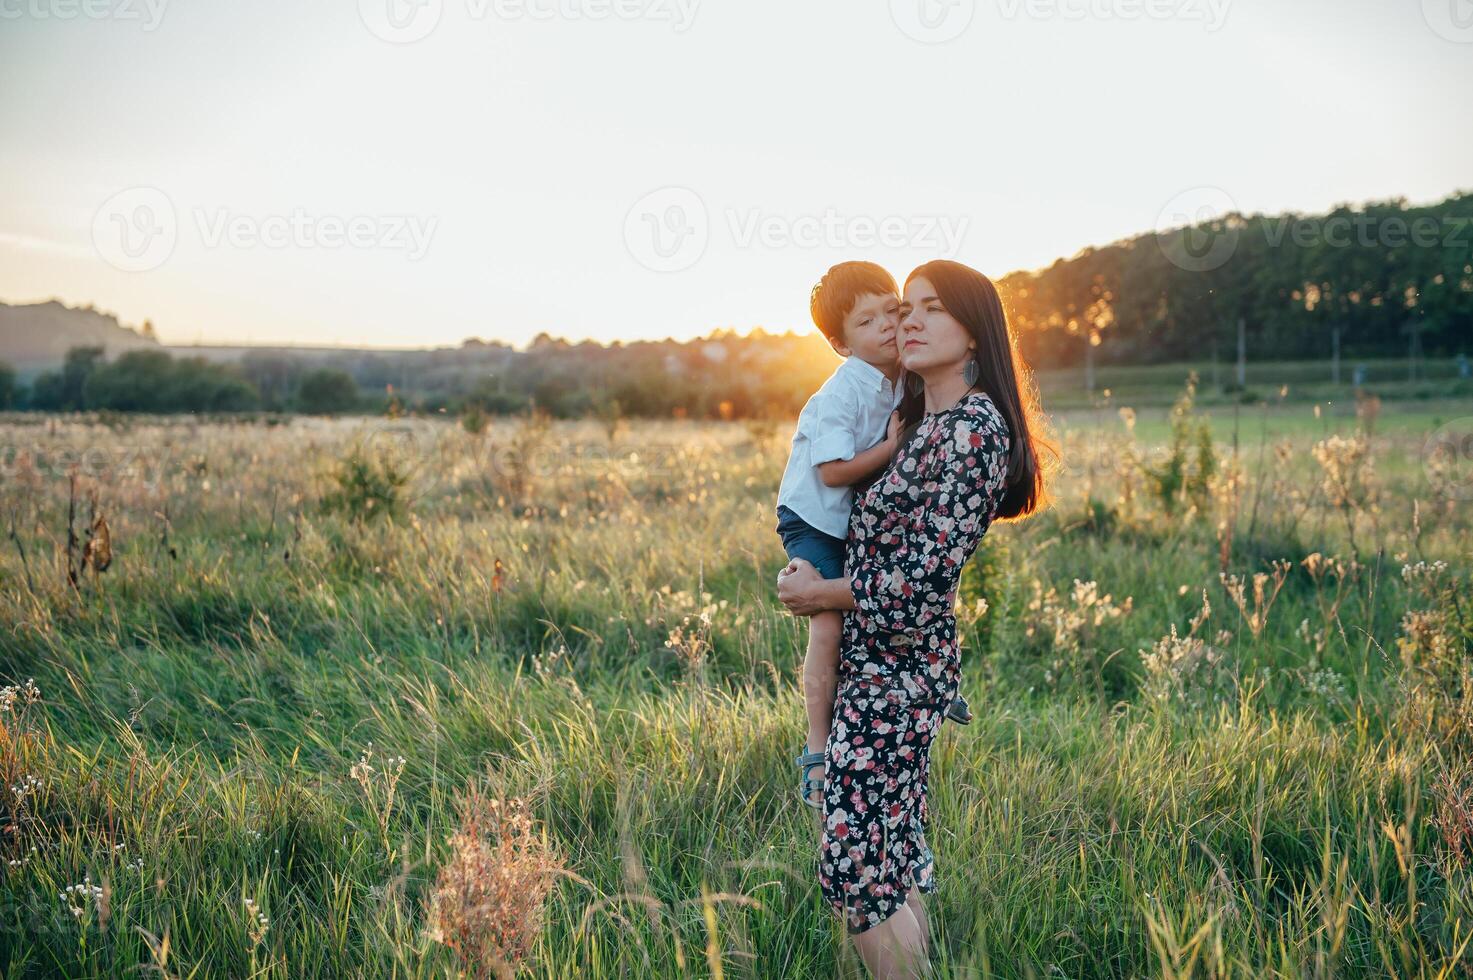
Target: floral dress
909,535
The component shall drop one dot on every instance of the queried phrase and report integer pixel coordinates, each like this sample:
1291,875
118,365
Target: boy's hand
892,431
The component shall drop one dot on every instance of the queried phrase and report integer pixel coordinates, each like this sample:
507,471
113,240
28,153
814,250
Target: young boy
847,432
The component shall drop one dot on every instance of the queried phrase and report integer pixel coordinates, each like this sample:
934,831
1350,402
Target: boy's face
869,330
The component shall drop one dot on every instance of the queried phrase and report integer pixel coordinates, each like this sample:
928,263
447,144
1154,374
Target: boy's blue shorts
802,540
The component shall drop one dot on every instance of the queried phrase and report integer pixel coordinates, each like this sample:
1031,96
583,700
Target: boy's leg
821,676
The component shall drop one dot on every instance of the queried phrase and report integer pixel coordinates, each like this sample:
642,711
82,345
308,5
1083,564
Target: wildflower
257,922
380,792
1423,572
1347,466
22,694
79,896
1070,626
26,787
1184,668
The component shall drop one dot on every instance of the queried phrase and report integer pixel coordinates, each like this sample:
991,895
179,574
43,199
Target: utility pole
1335,358
1089,363
1242,353
1413,329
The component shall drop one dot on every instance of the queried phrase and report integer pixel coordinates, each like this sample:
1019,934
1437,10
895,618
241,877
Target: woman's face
931,339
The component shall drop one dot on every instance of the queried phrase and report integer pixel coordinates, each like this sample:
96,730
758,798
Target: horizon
411,178
708,333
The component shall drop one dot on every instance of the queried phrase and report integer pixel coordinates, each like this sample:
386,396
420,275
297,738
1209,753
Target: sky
405,173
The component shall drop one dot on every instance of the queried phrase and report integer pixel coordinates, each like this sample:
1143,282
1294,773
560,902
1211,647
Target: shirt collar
866,372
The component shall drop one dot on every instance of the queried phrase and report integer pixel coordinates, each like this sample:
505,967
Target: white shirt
846,416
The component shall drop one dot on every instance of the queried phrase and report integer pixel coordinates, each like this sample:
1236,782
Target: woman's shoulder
977,416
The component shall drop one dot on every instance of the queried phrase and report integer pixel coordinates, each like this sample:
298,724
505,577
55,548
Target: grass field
335,669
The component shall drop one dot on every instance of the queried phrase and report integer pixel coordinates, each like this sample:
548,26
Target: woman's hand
796,588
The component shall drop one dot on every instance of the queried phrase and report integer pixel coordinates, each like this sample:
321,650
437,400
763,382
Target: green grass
1292,811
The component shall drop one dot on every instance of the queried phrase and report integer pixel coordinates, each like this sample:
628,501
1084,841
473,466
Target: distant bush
327,391
8,388
152,381
61,391
1191,459
366,487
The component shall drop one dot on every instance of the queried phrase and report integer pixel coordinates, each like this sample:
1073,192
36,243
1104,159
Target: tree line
1378,281
155,381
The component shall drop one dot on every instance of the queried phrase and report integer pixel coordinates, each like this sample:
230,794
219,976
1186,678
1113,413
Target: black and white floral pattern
909,535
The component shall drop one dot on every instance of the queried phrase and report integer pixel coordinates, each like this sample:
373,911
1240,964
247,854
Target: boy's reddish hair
839,289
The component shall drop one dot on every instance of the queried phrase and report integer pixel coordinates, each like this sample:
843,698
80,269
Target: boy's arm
847,472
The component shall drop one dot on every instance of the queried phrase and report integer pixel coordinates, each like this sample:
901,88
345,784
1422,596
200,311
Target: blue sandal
959,711
807,762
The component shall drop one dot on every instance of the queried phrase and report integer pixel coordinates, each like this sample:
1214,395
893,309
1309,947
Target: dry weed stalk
1263,596
490,898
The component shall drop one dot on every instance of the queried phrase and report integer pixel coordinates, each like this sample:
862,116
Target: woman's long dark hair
972,299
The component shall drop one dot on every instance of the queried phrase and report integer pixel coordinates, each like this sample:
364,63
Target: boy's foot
959,711
810,786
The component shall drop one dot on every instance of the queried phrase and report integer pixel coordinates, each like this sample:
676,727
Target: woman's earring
972,373
914,384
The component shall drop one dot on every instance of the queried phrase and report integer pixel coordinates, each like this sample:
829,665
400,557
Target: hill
37,335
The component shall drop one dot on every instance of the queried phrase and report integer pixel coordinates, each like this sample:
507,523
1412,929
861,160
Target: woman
969,456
